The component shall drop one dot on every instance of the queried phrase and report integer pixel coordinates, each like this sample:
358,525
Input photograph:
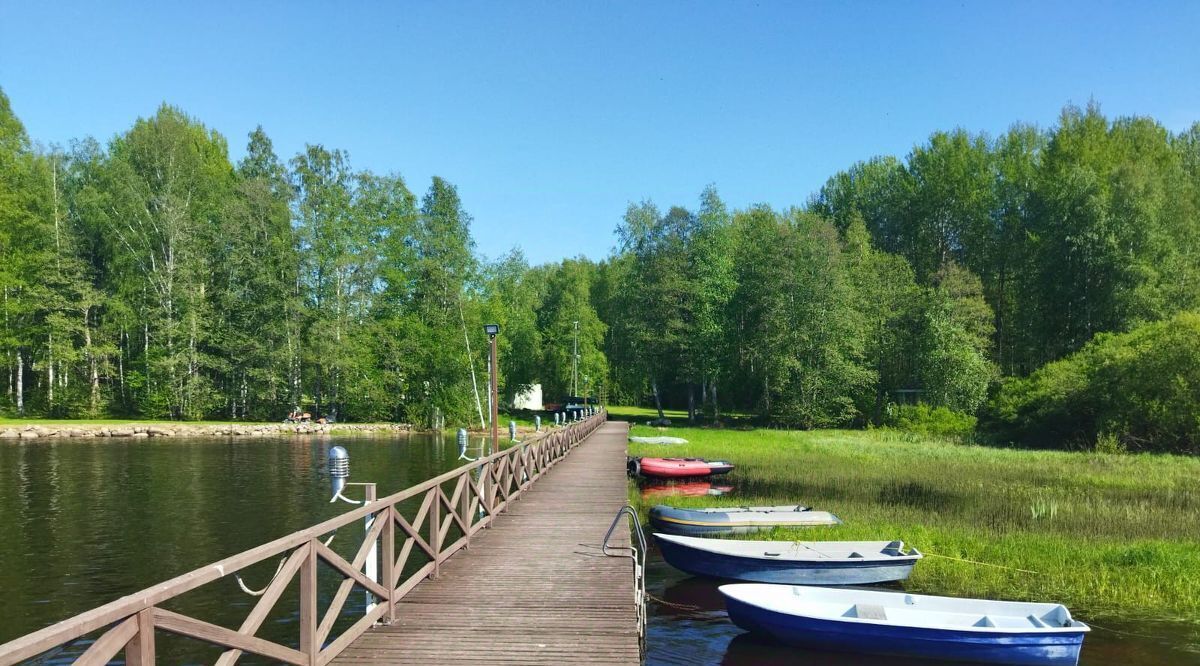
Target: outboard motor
633,466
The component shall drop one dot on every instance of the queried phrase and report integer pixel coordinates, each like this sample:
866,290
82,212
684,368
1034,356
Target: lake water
84,521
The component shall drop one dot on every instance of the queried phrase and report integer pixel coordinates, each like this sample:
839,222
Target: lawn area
1113,535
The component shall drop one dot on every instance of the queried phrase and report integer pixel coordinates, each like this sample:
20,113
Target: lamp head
339,469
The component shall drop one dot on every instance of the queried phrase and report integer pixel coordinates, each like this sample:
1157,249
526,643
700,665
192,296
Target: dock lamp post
492,330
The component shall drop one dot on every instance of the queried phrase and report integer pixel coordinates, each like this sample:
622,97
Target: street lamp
575,364
492,330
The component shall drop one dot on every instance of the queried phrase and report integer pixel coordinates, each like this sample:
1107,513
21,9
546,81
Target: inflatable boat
735,520
677,468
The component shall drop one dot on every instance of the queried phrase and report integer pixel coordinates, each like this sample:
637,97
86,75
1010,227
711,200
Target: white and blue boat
790,562
734,520
899,624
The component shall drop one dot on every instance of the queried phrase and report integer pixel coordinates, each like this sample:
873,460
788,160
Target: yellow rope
985,564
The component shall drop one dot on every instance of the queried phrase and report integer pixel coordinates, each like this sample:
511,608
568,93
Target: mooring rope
1119,631
985,564
282,561
259,593
684,607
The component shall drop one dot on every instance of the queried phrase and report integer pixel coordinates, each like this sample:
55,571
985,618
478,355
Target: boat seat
856,554
869,612
985,621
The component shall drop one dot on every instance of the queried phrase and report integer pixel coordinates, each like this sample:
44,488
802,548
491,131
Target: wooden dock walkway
534,587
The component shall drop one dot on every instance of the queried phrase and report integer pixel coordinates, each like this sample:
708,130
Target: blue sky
552,117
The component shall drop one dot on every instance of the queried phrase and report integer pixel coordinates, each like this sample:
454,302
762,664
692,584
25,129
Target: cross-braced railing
449,510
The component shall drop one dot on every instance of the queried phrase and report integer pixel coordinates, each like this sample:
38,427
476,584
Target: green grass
643,414
1111,535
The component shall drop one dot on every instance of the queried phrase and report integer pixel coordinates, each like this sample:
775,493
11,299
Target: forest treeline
153,277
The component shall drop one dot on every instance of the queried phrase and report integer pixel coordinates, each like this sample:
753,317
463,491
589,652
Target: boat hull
820,572
682,522
657,470
1026,649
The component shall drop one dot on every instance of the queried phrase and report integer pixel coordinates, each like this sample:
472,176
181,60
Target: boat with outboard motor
677,468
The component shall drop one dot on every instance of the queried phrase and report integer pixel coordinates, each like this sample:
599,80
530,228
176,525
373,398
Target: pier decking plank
534,588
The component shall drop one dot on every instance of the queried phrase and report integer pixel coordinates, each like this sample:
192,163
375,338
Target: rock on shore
135,430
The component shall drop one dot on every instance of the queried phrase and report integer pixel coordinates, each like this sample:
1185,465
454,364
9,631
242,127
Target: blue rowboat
790,562
734,520
899,624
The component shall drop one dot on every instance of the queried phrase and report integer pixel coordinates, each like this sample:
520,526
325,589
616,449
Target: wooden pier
534,588
498,561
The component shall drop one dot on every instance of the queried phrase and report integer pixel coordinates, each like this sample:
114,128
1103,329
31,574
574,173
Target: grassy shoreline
1110,535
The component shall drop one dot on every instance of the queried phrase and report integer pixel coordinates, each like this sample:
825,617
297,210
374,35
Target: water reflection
661,489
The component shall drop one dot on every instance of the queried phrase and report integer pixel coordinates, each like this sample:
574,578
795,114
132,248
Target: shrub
923,419
1138,391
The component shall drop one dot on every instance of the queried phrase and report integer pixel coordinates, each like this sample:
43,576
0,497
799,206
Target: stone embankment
195,430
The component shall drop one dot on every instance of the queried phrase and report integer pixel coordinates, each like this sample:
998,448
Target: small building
530,399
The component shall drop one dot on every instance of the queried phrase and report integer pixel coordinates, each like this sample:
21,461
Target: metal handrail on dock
467,498
635,553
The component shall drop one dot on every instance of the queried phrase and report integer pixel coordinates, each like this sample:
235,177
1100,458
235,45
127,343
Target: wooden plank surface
533,588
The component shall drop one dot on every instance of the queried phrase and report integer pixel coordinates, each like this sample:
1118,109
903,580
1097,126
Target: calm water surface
83,522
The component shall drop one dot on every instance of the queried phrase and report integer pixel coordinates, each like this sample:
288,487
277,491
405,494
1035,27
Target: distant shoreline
88,430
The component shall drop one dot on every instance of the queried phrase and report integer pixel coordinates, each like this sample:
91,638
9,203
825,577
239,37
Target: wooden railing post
308,605
139,651
388,553
485,501
464,507
435,528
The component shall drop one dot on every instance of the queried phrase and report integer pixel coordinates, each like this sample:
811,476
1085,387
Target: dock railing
457,503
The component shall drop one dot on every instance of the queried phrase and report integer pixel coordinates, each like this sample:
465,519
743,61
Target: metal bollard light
537,423
339,469
462,443
512,431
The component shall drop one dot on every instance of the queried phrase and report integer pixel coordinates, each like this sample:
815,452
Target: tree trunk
691,402
93,371
20,384
715,405
657,399
50,372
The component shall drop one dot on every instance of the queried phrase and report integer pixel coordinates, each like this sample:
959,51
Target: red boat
674,468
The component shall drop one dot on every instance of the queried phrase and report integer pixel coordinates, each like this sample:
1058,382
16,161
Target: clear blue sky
552,117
